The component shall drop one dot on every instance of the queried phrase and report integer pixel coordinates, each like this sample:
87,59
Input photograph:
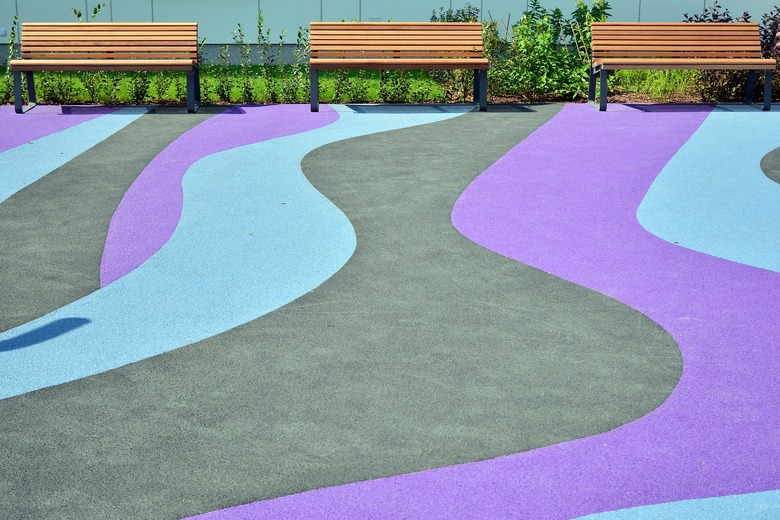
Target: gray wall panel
277,17
337,10
131,11
217,20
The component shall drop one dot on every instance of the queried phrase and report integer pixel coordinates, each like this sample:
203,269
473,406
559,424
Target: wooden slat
117,56
99,64
76,47
406,64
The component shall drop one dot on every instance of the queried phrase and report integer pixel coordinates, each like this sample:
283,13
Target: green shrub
544,55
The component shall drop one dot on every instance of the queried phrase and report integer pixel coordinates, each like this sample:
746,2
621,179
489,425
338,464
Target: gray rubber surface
424,350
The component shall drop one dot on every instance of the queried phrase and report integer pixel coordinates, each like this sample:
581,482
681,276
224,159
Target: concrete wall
217,19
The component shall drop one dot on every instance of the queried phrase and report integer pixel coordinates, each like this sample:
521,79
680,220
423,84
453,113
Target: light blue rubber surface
753,506
254,235
25,164
716,199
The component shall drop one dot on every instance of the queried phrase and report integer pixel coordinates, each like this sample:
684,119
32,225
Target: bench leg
315,90
750,87
768,90
604,88
197,87
592,85
482,90
314,80
476,86
18,101
192,90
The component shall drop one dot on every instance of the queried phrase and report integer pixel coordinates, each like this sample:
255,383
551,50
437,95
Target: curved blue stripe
254,235
685,205
25,164
755,506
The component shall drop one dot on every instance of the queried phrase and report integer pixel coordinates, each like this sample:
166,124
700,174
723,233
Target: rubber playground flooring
540,311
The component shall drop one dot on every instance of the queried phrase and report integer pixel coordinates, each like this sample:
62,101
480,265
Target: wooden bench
701,46
107,47
396,46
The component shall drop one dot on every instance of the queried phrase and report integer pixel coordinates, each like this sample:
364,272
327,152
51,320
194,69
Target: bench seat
102,64
685,63
405,63
398,46
669,46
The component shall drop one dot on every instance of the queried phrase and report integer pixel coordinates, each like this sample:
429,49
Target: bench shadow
154,109
670,107
42,334
428,108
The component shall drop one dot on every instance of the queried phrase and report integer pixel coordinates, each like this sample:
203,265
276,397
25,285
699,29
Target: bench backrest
110,41
395,40
676,40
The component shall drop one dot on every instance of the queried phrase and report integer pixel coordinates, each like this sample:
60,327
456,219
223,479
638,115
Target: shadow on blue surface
41,334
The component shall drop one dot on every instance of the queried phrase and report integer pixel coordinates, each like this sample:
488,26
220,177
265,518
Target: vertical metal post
750,87
151,4
604,87
768,90
191,91
592,86
482,90
31,97
18,102
197,86
315,90
476,86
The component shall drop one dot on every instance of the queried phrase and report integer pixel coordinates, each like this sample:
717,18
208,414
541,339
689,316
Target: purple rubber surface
150,210
18,129
565,201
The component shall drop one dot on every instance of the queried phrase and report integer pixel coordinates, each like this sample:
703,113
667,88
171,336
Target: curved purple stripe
564,200
150,210
15,129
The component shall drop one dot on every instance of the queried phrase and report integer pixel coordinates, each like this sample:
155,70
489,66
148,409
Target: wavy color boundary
28,162
254,235
565,201
16,130
148,214
716,199
756,506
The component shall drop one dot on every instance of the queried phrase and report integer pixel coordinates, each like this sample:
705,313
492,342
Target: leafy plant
245,53
544,55
7,92
467,13
715,14
139,86
224,78
770,26
268,59
95,11
162,83
394,86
